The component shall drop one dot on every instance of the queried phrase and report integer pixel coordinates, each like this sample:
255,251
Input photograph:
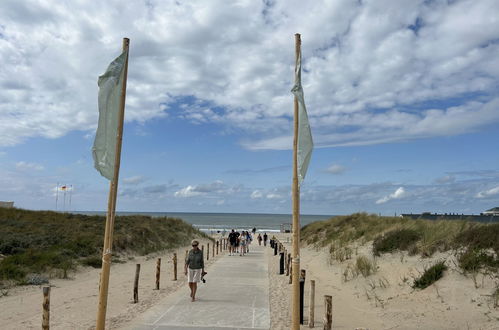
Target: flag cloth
305,143
110,85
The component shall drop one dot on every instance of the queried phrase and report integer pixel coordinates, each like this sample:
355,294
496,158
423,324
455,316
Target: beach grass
430,275
53,243
477,243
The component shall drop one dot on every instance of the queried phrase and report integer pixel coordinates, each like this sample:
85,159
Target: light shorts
194,275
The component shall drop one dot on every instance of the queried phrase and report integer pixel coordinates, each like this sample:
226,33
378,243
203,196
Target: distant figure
232,242
265,237
242,243
194,268
249,239
259,238
254,230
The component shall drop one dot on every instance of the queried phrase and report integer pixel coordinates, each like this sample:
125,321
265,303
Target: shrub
365,266
95,262
430,275
400,239
474,260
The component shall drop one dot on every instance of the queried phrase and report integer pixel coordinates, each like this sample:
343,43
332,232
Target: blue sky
402,98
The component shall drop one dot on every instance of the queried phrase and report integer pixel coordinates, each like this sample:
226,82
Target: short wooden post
46,308
208,252
136,285
311,306
288,265
302,292
213,250
158,272
174,266
217,246
328,312
290,274
281,263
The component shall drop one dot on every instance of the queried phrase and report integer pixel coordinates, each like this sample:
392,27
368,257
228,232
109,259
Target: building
7,205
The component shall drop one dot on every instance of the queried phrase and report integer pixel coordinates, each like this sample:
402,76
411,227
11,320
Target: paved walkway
235,296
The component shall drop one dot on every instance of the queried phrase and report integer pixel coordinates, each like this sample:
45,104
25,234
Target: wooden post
111,206
213,250
217,246
208,252
136,285
46,308
288,265
174,266
158,271
328,312
311,305
291,274
302,292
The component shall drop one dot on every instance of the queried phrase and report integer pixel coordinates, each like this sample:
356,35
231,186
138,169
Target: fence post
46,308
213,250
328,312
217,247
208,251
281,263
136,285
175,261
288,264
275,248
302,289
158,272
311,306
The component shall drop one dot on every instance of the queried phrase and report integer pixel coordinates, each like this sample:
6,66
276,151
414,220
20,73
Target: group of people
239,242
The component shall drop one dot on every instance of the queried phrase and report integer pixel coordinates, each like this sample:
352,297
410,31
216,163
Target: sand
386,300
74,301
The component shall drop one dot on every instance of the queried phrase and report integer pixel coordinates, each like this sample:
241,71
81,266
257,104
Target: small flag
305,143
110,85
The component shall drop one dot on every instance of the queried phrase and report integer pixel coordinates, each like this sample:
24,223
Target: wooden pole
295,312
213,250
46,308
217,246
208,251
111,207
158,272
288,264
311,306
136,285
328,312
174,266
302,293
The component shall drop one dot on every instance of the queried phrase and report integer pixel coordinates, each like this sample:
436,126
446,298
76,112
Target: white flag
305,143
110,88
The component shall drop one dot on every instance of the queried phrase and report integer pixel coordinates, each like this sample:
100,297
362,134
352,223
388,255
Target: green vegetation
477,243
430,276
55,243
365,266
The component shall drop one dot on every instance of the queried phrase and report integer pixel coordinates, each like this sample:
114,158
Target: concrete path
235,296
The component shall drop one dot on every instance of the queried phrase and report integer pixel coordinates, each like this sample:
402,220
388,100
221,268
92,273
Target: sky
402,98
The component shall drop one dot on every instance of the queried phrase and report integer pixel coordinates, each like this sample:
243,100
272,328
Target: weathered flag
110,88
305,143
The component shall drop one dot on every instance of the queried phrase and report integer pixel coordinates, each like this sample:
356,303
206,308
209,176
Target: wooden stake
174,266
217,246
46,308
328,313
288,265
311,306
158,272
208,251
111,207
136,285
213,248
295,312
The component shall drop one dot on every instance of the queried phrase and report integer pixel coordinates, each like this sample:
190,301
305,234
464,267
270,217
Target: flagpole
111,207
295,316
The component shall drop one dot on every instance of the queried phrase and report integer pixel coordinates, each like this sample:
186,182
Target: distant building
493,211
7,205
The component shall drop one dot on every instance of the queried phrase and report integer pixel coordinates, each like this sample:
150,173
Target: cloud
189,191
446,179
273,196
215,188
399,193
335,169
25,166
375,71
134,180
488,193
256,194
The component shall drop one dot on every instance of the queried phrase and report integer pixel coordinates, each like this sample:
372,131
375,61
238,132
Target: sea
220,222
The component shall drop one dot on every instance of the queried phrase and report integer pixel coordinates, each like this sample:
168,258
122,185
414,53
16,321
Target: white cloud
335,169
376,71
134,180
26,166
399,193
487,193
273,196
188,191
256,194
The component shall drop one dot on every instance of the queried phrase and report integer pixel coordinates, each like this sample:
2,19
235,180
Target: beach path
235,296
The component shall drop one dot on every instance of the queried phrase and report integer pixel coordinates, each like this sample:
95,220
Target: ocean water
213,222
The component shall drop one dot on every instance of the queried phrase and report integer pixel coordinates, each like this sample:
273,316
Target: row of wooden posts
285,267
217,247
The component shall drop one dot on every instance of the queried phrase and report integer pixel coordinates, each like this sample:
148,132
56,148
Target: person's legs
191,287
194,289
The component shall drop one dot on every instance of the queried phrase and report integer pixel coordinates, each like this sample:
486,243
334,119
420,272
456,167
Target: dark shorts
233,244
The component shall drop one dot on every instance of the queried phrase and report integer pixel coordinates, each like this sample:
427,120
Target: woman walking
242,244
194,268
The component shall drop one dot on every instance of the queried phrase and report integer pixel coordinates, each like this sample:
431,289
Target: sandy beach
385,300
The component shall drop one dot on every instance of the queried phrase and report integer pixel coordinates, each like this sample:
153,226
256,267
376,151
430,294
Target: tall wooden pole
111,207
295,316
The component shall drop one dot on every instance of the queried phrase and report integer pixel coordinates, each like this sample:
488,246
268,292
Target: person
249,239
194,268
232,242
242,244
254,230
265,237
259,238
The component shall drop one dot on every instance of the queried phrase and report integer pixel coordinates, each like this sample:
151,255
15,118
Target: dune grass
478,243
55,243
430,275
